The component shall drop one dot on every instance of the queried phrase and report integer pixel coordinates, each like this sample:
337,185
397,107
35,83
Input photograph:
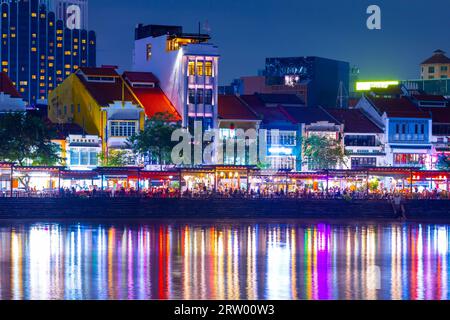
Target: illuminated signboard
367,85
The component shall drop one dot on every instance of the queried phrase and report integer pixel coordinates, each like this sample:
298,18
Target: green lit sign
367,85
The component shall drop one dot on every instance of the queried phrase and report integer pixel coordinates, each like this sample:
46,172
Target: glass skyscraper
40,48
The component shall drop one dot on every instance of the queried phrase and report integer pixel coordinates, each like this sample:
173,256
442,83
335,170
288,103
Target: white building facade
187,67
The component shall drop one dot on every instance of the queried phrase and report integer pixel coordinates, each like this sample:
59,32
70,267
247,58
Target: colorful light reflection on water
223,261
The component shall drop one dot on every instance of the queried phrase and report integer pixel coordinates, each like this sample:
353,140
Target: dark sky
247,31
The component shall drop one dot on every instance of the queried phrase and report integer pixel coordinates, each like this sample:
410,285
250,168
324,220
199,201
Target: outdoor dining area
224,181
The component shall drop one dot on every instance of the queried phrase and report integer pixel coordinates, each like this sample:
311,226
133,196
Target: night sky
247,31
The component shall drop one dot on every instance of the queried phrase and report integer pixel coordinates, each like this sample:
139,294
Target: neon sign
367,85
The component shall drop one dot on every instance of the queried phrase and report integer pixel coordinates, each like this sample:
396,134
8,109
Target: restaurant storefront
80,181
6,172
49,181
36,181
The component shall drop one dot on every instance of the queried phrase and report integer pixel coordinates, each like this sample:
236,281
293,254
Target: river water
223,260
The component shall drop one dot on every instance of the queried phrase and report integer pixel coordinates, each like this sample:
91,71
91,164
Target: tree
26,140
443,162
115,158
322,152
156,138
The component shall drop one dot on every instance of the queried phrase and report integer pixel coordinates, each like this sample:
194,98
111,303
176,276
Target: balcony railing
408,138
201,80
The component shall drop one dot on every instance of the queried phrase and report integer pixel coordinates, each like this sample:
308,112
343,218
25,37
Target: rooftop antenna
342,94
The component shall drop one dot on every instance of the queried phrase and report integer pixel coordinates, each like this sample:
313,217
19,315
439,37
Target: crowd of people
233,192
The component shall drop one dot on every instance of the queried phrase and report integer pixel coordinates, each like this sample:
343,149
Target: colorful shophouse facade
408,130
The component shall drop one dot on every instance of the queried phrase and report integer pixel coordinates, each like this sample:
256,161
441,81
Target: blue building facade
39,51
410,131
409,142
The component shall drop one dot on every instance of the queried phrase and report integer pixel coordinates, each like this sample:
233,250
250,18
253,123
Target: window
191,96
444,68
277,163
287,138
148,51
123,128
208,96
405,159
199,68
359,162
79,108
208,68
444,76
93,158
403,128
74,157
72,109
397,128
84,157
191,68
199,96
422,129
430,69
360,141
100,79
416,128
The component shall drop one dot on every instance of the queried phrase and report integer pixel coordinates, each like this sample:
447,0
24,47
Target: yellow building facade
436,67
99,101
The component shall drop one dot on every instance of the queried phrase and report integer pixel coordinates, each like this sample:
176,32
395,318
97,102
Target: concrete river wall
122,208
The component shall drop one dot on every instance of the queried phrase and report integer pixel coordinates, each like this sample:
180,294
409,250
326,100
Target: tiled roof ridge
133,94
402,98
248,106
329,114
287,114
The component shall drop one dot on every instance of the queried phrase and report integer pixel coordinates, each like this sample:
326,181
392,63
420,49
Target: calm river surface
223,260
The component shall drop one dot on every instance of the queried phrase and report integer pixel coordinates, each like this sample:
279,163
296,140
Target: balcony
202,110
409,138
371,151
201,80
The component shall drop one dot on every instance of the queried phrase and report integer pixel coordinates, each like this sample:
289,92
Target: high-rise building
39,49
322,77
187,66
318,81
